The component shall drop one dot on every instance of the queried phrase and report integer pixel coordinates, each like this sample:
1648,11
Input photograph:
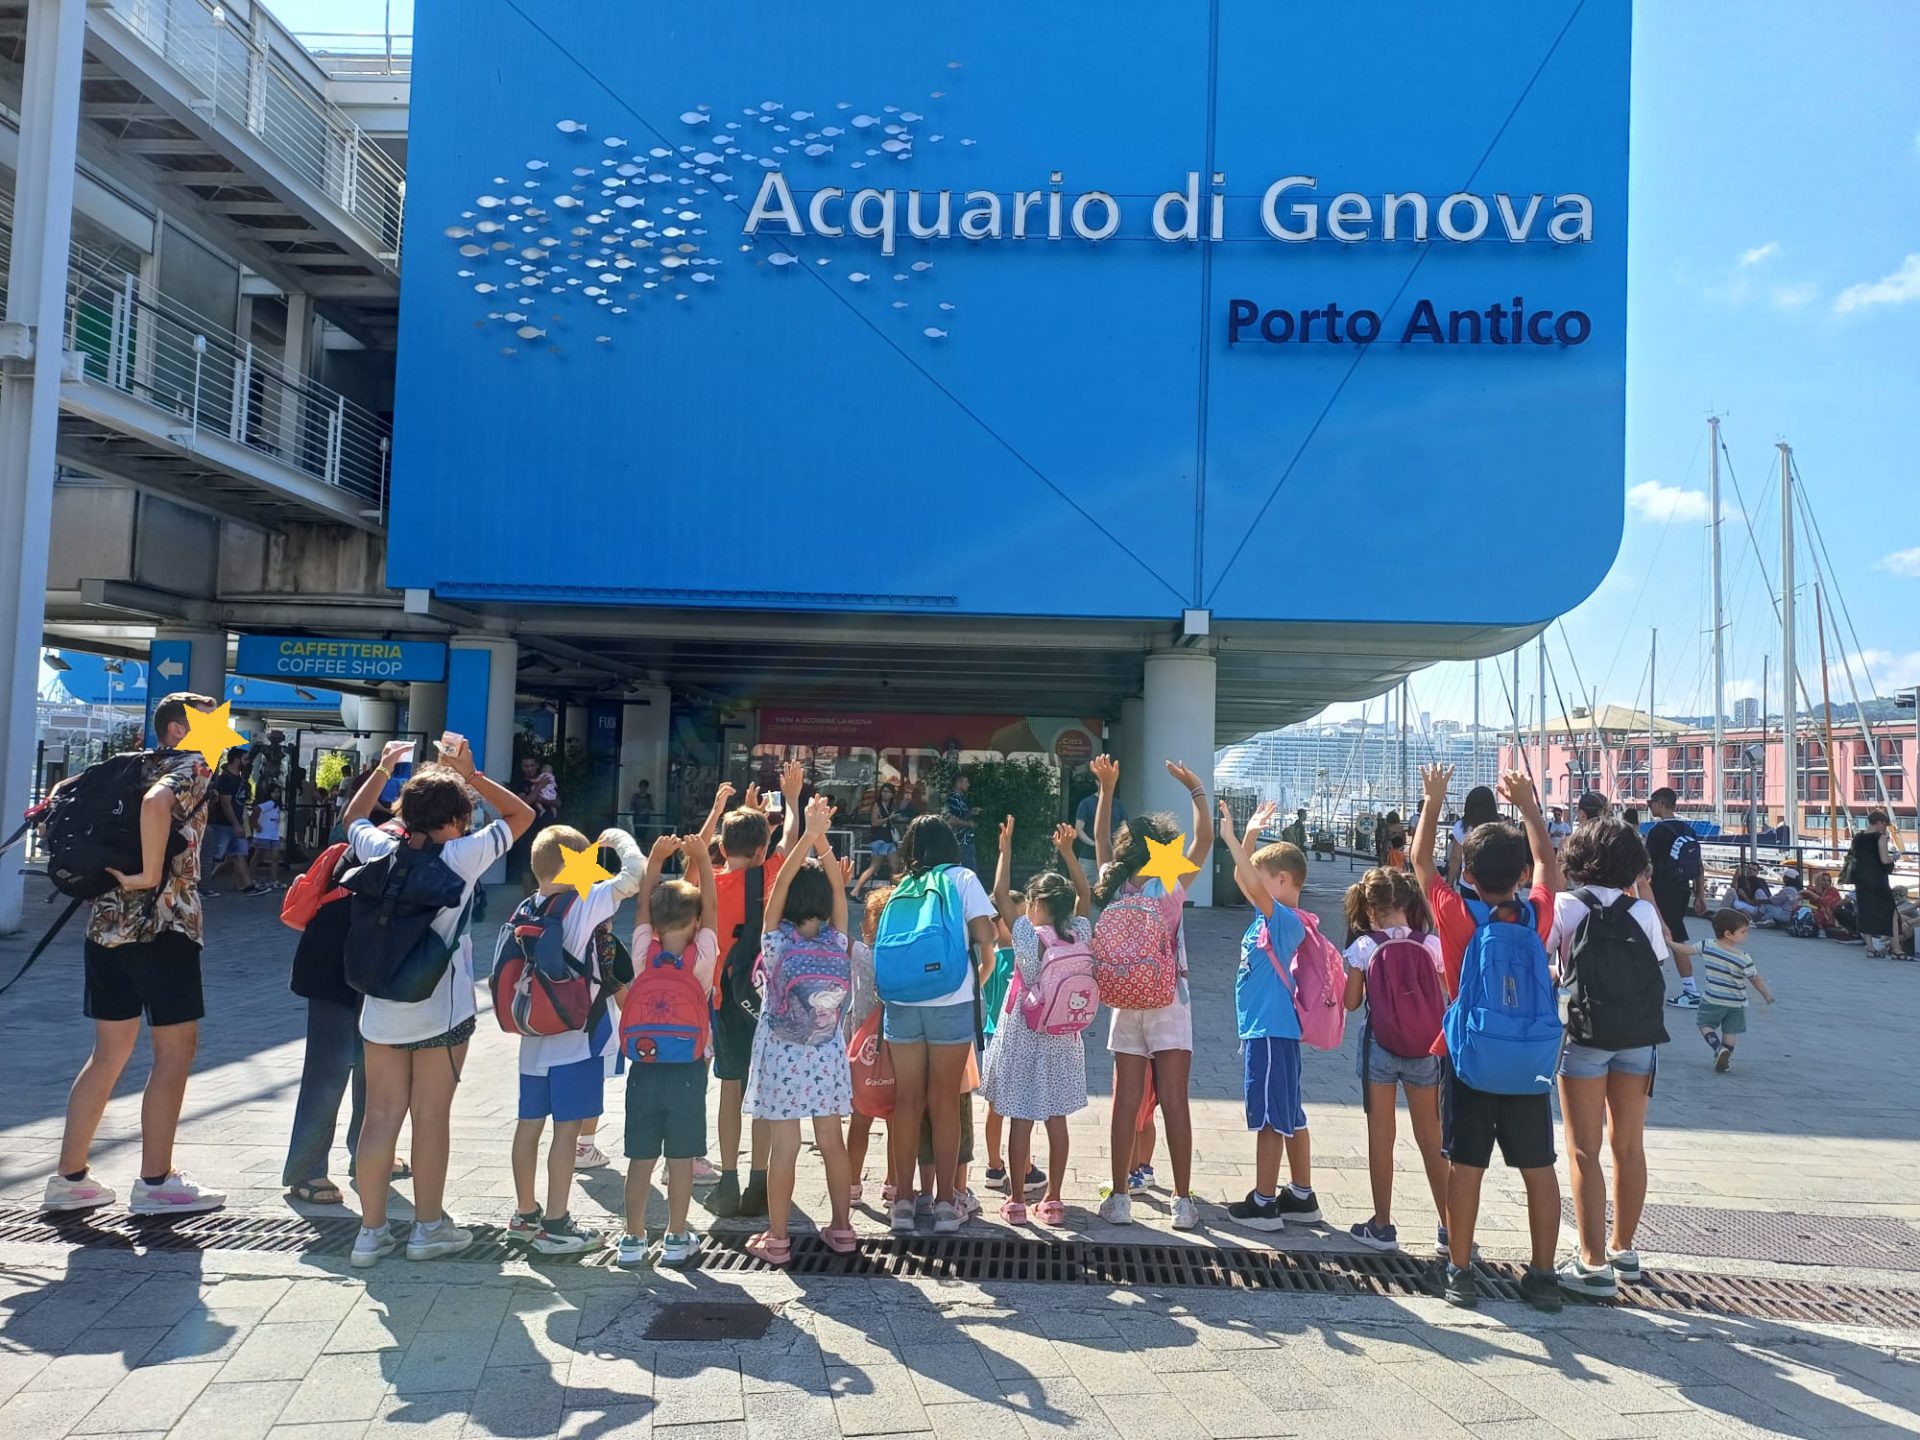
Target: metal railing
240,79
358,54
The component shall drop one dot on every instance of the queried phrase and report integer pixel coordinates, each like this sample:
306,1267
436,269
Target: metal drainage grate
1861,1242
998,1259
701,1320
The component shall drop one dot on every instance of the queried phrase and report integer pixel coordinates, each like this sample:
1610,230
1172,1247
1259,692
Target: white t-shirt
268,829
1360,953
1568,912
395,1022
974,905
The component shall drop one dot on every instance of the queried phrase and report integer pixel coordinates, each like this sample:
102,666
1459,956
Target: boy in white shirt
563,1076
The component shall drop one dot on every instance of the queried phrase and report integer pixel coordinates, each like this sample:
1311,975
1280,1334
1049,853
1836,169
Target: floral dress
796,1082
1029,1074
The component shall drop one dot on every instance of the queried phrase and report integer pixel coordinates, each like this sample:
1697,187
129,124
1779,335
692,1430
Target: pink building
1610,751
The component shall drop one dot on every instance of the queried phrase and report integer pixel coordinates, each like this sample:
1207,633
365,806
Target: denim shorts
1378,1066
1584,1062
929,1024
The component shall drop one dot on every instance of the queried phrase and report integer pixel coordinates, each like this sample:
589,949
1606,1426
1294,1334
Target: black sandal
316,1192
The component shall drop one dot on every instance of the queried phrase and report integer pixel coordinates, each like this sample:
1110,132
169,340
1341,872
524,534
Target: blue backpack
920,950
1503,1029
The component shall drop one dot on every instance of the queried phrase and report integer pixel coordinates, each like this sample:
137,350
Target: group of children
744,966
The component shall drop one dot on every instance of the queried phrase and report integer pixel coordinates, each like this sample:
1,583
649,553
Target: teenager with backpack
1501,1036
1036,1065
1281,955
1608,947
143,958
1678,884
1396,971
1139,951
799,1066
419,1009
935,937
554,987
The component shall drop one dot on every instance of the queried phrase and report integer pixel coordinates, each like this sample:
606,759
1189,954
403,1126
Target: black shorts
1674,907
1472,1120
667,1111
158,977
733,1032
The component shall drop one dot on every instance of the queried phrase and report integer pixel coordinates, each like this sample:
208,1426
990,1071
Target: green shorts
966,1134
1727,1019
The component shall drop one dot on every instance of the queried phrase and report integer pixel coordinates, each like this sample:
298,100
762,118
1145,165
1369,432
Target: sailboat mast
1475,772
1544,783
1514,699
1826,718
1653,655
1789,671
1719,630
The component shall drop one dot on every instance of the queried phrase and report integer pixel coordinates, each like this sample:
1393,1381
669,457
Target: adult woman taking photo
1870,863
930,1037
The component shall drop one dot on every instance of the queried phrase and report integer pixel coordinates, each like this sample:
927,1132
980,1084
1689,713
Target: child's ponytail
1358,922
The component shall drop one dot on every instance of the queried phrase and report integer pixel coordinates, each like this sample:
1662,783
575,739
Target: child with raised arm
799,1068
1510,1105
1269,1027
1038,1072
664,1031
563,1077
993,1005
1160,1038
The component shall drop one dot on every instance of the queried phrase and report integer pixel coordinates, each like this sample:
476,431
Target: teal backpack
920,950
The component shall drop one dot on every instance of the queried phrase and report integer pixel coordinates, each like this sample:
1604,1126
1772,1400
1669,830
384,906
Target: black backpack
1682,850
92,823
737,989
1617,995
393,951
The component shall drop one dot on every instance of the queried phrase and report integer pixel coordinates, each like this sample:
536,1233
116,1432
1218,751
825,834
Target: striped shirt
1726,974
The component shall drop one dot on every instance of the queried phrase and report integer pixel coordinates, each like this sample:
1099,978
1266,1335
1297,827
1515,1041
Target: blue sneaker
1376,1237
1140,1180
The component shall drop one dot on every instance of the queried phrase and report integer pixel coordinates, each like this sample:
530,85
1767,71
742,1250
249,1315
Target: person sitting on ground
1748,892
1906,919
1782,900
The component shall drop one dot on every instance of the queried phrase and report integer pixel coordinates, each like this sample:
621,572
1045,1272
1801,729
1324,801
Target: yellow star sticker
1169,862
581,870
211,733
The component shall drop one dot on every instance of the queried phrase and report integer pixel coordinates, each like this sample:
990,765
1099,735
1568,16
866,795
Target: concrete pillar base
1178,724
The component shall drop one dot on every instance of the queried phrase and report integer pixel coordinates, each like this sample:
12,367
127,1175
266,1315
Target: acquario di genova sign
1290,212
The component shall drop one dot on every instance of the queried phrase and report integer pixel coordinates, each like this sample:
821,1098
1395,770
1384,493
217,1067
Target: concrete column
381,720
299,353
30,396
1131,754
575,725
644,724
180,659
482,677
1178,714
427,708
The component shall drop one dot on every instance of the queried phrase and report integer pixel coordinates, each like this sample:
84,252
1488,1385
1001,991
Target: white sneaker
967,1203
902,1218
703,1171
1685,1000
86,1193
431,1242
679,1249
1592,1282
1626,1265
178,1194
1186,1214
946,1218
588,1156
370,1246
1117,1209
631,1252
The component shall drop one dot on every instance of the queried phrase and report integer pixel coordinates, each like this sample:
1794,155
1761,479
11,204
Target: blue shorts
1584,1062
566,1092
219,842
1378,1066
1273,1085
929,1024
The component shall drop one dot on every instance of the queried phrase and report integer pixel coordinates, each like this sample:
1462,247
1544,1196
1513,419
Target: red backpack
1405,999
664,1020
313,888
1136,959
872,1065
538,988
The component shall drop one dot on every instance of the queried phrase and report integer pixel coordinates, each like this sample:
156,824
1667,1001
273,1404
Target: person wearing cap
1592,806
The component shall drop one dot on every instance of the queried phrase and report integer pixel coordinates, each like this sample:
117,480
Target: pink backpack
1405,1001
1318,982
1063,1000
1136,962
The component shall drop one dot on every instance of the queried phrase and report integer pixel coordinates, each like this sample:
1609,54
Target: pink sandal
1014,1212
1051,1212
772,1249
840,1239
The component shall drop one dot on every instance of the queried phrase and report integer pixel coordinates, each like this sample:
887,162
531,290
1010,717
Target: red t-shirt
1453,922
730,889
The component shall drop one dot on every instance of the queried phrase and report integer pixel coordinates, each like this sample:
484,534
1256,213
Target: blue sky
1774,280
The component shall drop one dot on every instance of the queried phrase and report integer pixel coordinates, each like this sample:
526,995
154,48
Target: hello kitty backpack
1065,996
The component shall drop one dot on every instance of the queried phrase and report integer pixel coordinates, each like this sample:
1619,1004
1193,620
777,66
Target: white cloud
1792,297
1651,500
1903,562
1890,671
1895,289
1745,689
1759,253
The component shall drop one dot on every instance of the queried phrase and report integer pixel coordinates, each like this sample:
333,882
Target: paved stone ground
1816,1118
